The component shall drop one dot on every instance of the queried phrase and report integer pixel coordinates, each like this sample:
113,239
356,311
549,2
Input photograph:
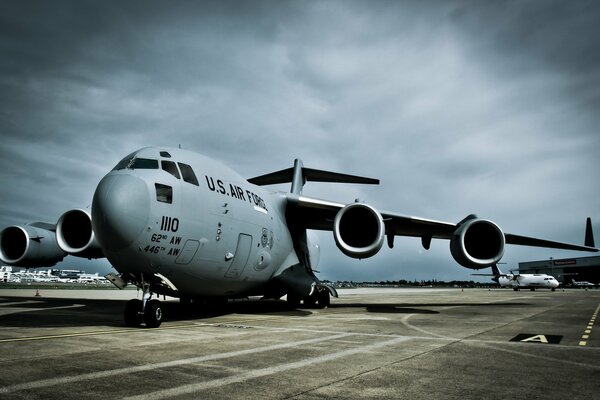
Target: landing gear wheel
293,300
324,299
153,314
132,315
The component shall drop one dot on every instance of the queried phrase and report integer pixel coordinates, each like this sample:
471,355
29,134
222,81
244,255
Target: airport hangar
565,269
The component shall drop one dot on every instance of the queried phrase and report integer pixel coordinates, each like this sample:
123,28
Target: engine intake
29,246
359,230
74,234
477,243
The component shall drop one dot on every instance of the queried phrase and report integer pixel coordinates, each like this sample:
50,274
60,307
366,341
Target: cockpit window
143,163
188,174
124,162
164,193
132,162
171,168
165,154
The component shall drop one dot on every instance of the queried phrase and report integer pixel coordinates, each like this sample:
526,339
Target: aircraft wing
360,230
534,242
320,214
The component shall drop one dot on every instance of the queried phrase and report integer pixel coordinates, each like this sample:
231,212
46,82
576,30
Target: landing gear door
240,259
188,252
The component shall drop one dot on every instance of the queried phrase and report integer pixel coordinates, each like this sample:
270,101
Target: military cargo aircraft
177,223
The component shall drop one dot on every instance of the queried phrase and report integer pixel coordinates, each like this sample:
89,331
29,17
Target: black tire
310,301
293,300
132,312
153,314
324,299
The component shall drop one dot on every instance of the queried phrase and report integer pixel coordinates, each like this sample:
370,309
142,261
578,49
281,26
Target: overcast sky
458,107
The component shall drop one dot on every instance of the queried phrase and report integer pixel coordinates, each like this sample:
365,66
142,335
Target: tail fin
589,234
298,176
496,270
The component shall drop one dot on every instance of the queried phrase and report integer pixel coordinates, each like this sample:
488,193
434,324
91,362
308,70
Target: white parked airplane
583,284
523,281
176,223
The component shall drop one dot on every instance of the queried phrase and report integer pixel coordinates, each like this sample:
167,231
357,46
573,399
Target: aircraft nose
120,210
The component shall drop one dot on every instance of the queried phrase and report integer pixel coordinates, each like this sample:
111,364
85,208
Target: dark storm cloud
457,106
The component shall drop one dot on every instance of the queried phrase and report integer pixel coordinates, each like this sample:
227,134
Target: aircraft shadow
395,308
60,312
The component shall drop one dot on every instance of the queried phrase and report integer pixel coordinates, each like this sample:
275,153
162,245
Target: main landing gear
318,299
148,311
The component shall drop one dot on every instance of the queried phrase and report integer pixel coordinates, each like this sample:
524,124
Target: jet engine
30,246
75,236
477,243
359,230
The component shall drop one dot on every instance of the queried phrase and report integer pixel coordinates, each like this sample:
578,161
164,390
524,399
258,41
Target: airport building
19,275
565,269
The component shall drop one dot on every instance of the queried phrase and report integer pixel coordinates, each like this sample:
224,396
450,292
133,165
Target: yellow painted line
588,330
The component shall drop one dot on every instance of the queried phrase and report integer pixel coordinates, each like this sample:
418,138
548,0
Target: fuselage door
240,259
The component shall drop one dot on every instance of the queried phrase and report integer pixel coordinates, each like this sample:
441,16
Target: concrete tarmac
369,344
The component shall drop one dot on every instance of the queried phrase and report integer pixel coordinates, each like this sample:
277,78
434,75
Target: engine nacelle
477,243
74,234
359,230
29,246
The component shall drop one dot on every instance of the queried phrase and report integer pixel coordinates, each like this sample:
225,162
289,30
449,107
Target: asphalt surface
369,344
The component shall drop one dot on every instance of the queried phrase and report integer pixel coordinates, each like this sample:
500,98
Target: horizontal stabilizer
299,175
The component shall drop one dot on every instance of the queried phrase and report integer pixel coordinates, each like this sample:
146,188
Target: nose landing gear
147,310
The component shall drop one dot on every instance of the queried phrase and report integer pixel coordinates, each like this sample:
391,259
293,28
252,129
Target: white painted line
148,367
258,373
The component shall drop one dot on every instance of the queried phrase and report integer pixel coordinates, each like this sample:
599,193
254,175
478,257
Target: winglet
589,234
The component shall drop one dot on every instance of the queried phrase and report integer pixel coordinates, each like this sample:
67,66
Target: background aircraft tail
496,270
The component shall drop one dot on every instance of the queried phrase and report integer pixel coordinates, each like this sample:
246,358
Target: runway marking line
259,373
588,329
43,383
94,333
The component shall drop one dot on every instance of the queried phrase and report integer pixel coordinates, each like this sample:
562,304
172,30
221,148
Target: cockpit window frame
133,162
164,193
124,162
143,163
187,173
170,167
